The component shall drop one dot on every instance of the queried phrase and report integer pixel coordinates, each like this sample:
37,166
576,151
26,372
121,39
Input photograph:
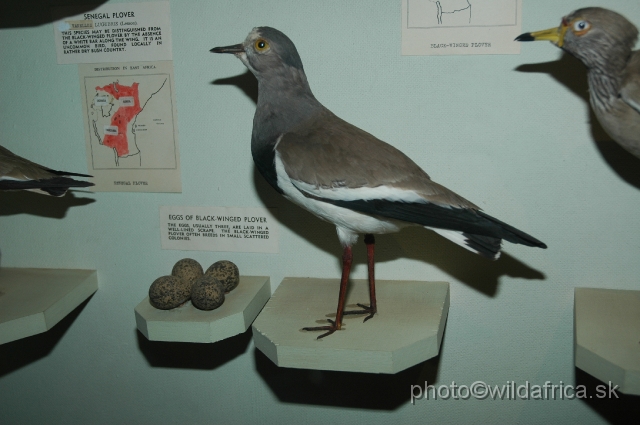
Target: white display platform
607,336
407,329
188,324
32,301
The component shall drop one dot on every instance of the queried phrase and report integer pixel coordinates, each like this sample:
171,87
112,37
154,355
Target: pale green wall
519,143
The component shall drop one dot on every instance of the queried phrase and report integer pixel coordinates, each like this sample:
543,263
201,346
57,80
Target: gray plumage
345,175
604,40
17,173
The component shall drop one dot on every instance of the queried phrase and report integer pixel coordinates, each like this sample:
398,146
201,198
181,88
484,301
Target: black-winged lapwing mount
17,173
603,40
345,175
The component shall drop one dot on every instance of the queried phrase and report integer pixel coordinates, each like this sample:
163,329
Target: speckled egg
226,272
169,292
187,269
207,293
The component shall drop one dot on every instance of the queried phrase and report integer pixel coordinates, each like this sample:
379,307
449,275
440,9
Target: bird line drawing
449,7
346,176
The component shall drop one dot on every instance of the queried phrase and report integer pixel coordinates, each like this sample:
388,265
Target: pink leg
347,259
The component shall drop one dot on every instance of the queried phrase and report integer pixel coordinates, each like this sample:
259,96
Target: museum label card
115,32
461,27
130,121
218,229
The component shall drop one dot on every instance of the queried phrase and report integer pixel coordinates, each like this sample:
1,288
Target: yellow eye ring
261,45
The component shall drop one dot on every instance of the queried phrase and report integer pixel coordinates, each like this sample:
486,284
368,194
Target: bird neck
604,86
605,66
284,100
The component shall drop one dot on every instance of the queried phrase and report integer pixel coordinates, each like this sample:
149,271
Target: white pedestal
188,324
407,329
32,301
607,336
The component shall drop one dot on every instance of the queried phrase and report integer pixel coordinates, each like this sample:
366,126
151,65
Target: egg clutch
188,281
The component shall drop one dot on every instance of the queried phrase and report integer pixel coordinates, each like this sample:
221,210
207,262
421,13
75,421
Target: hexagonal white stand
607,336
188,324
32,301
407,330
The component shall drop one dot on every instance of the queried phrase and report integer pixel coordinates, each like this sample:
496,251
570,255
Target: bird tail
486,246
489,246
56,186
513,235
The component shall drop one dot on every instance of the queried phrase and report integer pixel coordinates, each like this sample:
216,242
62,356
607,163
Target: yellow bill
554,35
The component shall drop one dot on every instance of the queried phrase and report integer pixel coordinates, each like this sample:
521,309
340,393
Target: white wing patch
361,193
12,178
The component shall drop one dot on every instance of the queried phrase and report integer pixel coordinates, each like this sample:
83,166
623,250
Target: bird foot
331,329
371,311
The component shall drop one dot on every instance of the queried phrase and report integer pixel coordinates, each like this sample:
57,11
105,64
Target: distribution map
122,117
131,123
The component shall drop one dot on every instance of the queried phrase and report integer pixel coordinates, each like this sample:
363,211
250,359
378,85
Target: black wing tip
522,238
528,240
62,190
63,182
66,173
513,235
56,186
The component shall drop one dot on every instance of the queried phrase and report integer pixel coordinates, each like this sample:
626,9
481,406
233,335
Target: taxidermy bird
603,40
345,175
17,173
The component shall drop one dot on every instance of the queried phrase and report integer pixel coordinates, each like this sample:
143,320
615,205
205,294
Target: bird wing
54,186
330,160
15,167
630,91
17,173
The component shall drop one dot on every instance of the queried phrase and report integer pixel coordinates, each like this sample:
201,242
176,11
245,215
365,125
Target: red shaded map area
122,117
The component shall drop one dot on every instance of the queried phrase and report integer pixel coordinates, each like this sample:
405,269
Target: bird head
590,34
265,50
